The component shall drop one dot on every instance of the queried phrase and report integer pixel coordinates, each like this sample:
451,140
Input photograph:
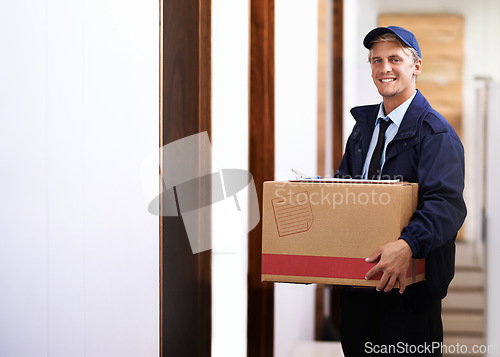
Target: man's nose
387,66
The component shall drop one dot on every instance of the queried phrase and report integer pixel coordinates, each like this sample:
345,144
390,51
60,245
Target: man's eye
395,60
376,61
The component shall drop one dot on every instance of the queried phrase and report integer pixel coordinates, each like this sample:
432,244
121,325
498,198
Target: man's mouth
386,80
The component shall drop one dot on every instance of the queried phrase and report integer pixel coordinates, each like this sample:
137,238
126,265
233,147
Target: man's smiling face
393,72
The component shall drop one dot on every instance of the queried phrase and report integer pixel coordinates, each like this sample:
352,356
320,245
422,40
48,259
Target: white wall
295,146
296,63
493,225
79,111
360,16
230,41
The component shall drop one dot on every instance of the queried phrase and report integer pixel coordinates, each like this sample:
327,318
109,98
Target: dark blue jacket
426,150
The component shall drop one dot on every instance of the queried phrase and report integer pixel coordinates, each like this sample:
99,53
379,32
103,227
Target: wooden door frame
260,329
185,109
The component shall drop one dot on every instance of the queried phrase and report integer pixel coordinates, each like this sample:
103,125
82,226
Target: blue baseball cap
404,35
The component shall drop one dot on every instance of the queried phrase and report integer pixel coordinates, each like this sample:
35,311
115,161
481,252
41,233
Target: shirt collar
397,114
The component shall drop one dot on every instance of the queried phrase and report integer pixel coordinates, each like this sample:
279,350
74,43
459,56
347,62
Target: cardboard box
321,232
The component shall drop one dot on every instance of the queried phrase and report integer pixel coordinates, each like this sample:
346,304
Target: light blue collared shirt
397,117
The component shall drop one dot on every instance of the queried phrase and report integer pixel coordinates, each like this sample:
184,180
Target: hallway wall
296,85
79,111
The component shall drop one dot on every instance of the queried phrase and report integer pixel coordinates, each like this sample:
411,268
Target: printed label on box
292,213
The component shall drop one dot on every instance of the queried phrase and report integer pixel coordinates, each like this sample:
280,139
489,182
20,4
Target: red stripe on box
324,267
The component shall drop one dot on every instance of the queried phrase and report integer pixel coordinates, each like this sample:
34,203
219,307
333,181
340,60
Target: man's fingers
390,284
372,272
392,259
402,284
383,282
373,258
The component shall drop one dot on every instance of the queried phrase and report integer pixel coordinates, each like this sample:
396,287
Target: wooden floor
317,349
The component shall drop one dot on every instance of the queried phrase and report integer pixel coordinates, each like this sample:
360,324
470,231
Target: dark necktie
375,163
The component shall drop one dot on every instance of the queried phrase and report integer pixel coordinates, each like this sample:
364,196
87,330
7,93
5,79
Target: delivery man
404,138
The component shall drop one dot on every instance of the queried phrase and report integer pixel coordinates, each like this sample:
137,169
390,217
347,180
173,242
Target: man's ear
417,67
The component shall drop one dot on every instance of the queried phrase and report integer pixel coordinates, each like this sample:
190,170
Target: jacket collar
366,116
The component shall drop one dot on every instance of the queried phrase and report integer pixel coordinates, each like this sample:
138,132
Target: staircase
464,308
